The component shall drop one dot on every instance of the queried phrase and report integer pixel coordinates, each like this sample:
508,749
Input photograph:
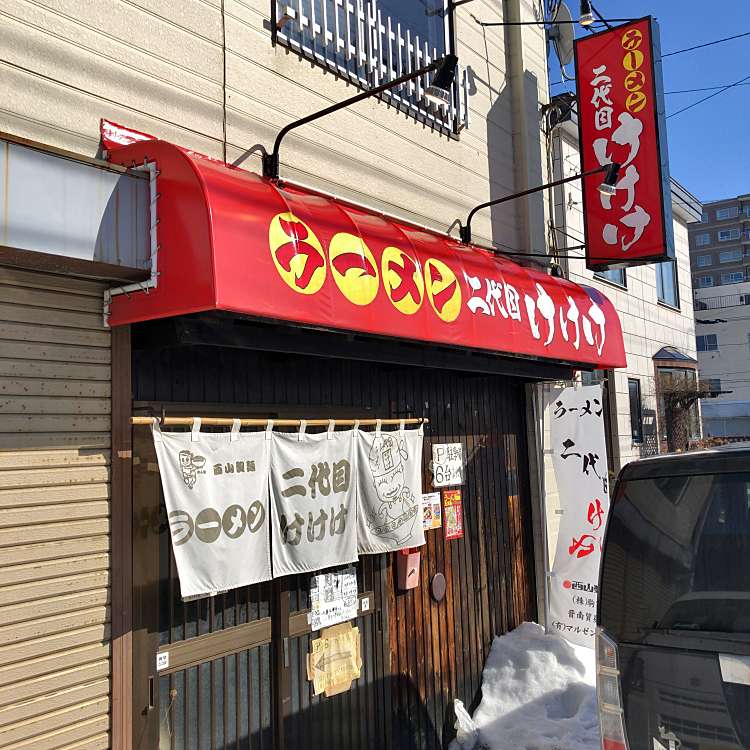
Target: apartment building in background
720,244
720,264
654,303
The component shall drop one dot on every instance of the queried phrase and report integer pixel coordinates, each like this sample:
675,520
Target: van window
677,557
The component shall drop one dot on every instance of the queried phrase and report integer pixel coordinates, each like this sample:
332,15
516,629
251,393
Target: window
703,260
746,211
703,239
636,410
425,18
593,377
677,380
666,283
713,384
707,343
733,277
732,212
704,281
352,40
727,256
704,217
681,538
615,275
728,234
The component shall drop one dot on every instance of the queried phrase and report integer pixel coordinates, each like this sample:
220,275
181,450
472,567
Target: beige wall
214,83
160,67
647,324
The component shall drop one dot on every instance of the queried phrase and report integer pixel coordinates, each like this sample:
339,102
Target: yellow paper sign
334,660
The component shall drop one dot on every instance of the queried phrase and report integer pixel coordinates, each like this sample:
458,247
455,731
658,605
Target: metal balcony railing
357,40
725,300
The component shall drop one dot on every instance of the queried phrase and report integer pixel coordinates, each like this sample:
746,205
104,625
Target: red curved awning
231,240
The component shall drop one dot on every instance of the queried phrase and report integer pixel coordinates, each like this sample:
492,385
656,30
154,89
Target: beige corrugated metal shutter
54,512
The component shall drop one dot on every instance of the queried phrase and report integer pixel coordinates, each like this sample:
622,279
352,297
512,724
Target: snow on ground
538,693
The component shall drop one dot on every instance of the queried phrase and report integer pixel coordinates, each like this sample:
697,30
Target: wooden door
235,664
216,688
418,655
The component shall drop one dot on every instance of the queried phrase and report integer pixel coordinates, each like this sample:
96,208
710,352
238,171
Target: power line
567,234
681,51
706,44
710,96
676,91
705,88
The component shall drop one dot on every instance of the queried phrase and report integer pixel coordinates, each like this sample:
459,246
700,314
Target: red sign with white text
231,240
621,119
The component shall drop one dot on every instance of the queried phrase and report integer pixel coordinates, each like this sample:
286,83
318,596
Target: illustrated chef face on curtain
386,459
389,502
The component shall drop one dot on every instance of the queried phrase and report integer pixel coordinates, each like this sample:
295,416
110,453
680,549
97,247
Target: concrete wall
647,324
731,362
214,82
728,414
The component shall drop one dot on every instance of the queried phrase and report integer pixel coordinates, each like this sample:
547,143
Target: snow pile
538,693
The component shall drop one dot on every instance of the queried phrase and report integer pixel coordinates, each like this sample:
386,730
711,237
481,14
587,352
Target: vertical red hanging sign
621,119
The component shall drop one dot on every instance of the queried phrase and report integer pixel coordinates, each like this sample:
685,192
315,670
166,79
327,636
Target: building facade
719,250
654,303
720,244
106,313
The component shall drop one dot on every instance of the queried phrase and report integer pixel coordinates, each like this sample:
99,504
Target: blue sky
709,145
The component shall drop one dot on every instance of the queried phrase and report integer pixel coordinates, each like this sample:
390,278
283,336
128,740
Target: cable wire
710,96
706,44
705,88
681,51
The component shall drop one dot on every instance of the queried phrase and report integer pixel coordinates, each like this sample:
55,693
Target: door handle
151,694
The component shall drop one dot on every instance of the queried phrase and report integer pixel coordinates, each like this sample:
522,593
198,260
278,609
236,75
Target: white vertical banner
575,446
313,501
390,490
216,494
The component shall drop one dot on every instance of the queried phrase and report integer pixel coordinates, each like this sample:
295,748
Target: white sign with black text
578,452
313,501
216,494
333,598
447,464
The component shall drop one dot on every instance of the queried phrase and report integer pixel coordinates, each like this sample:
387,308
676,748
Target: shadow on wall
514,163
341,721
123,237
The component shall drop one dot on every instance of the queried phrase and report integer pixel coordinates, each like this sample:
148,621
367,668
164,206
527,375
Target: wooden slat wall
54,513
426,654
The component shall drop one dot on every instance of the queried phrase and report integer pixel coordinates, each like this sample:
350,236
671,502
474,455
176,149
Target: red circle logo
567,584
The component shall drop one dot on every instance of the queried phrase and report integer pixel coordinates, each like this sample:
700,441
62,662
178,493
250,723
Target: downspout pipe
525,120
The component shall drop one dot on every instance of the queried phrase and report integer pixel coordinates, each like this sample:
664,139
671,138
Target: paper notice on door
334,660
